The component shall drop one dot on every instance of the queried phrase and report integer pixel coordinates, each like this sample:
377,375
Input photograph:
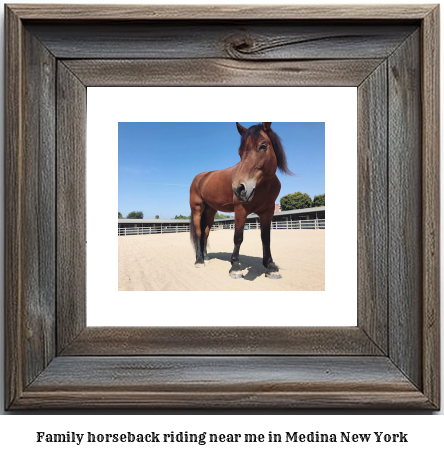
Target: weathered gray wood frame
390,360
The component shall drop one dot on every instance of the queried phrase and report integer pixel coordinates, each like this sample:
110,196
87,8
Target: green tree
319,200
120,215
221,216
185,217
135,215
296,200
156,217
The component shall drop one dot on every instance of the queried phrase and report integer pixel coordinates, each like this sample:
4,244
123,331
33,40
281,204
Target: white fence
153,230
316,224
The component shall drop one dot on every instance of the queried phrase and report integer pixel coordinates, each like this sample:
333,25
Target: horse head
259,159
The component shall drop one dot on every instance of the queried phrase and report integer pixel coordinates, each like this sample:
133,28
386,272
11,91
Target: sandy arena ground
166,262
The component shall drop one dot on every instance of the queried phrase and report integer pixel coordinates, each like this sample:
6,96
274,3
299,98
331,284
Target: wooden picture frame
390,360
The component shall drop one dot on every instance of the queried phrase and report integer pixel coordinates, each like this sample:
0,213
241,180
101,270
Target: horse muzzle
244,191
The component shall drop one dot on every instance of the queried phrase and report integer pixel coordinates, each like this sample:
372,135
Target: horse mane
281,159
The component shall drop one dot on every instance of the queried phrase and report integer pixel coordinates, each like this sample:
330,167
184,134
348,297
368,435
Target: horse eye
263,147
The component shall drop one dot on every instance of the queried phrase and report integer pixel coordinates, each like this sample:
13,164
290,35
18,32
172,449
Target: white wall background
106,306
20,430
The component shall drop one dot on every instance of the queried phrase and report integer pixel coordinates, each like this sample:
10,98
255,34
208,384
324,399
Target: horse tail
193,235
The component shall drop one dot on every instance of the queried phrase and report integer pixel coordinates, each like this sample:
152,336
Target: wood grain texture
221,72
71,206
38,222
30,197
405,209
126,341
372,207
431,202
233,40
246,401
13,209
210,373
232,382
220,12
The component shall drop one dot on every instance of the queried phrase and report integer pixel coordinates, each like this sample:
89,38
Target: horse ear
240,128
266,126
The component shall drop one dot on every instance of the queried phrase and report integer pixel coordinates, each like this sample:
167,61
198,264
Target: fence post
300,224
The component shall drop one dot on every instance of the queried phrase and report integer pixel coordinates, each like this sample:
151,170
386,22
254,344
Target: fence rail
316,224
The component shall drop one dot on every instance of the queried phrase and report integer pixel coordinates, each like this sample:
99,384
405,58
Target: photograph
223,206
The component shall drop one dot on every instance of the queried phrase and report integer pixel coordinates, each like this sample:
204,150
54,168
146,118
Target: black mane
254,132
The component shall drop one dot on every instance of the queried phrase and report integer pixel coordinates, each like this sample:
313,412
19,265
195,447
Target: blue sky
158,161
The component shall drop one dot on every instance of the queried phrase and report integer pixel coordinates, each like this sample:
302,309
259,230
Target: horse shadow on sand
252,264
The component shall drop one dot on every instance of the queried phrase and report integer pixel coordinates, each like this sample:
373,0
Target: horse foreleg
272,270
239,224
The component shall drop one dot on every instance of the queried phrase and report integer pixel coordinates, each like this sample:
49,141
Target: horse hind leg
207,222
197,234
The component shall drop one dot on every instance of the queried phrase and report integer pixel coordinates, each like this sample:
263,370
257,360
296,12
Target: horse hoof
206,258
236,275
273,275
199,265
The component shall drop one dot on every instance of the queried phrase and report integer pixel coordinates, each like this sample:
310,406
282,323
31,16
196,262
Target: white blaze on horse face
246,179
250,186
244,191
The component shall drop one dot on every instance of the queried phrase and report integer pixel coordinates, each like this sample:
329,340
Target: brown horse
250,186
